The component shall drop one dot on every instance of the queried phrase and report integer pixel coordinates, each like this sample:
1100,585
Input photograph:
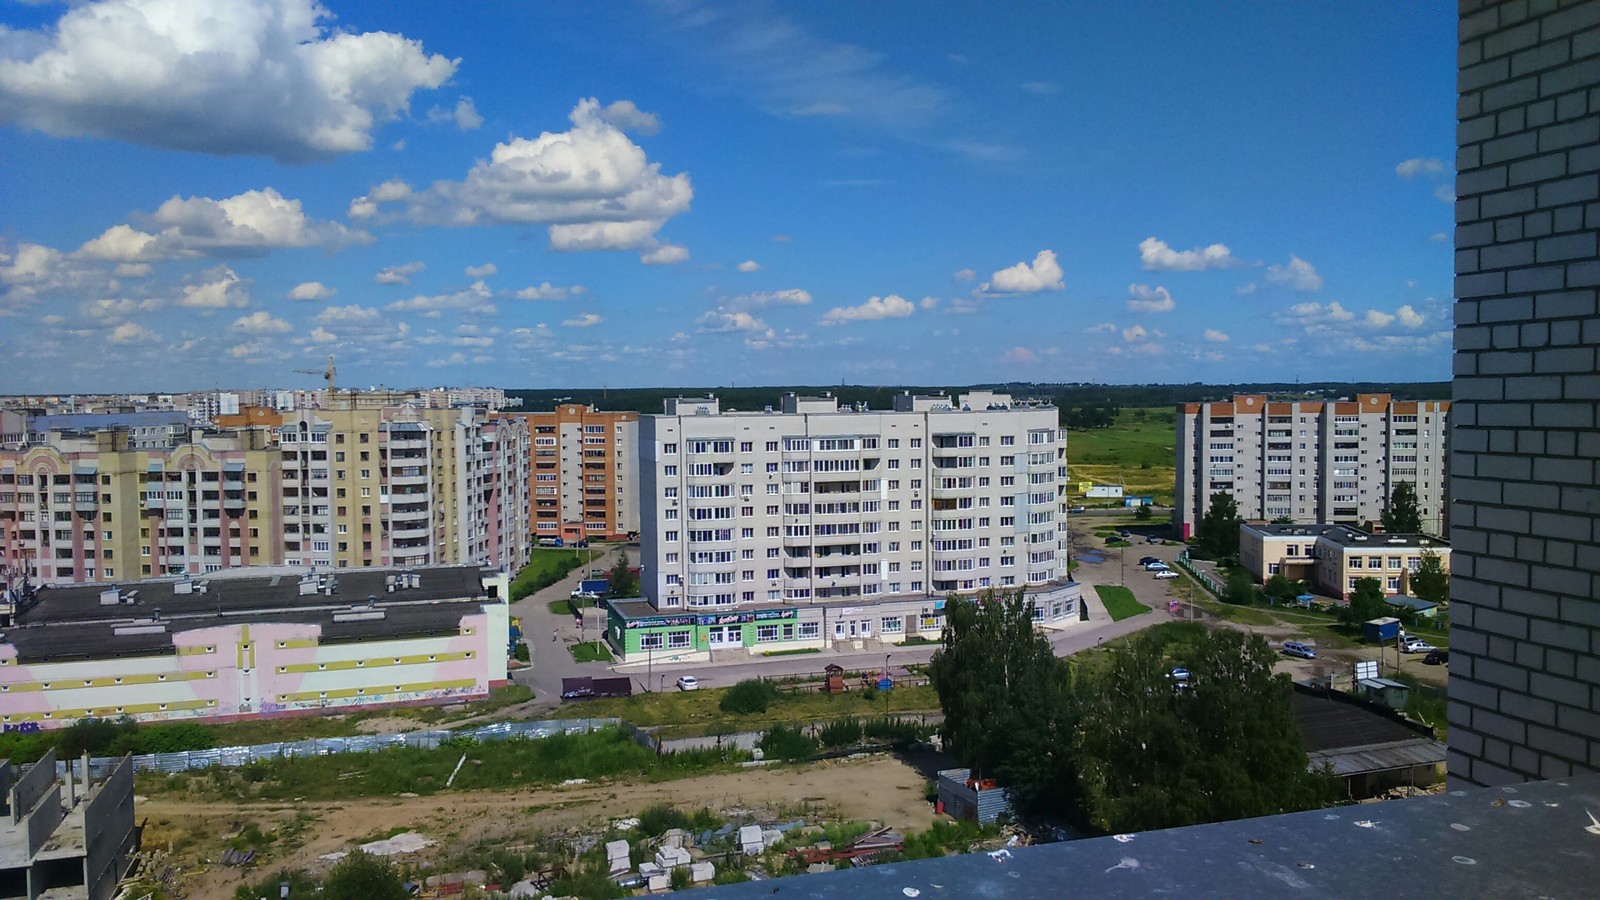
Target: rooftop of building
1347,536
640,608
797,404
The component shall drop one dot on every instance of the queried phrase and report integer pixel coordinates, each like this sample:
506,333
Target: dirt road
876,787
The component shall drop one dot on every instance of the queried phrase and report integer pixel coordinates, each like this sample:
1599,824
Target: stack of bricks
1525,671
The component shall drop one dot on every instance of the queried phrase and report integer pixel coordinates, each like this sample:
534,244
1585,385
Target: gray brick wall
1525,618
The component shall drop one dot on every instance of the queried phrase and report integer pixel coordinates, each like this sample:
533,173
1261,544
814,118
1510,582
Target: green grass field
546,567
591,651
1119,602
700,710
1137,452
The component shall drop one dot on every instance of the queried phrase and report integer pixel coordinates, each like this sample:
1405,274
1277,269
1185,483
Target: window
809,631
766,633
678,640
651,641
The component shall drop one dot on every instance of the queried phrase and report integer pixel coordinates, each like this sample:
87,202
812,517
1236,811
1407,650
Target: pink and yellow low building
229,647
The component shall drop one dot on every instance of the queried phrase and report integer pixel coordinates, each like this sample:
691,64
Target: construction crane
326,375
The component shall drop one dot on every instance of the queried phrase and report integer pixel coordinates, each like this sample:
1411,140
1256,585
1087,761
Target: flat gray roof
1347,536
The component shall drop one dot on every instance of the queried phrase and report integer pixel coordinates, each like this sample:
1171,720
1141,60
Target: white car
1417,646
688,683
1164,574
1156,566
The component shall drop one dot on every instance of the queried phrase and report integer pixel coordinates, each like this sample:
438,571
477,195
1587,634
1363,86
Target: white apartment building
1311,461
817,503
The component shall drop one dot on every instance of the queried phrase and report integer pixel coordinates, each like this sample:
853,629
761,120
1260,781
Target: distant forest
1070,398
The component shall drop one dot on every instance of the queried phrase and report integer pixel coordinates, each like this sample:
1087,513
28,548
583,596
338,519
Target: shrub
362,876
521,652
749,697
841,733
787,742
680,879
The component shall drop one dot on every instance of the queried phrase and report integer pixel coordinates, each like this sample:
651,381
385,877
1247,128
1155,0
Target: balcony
402,531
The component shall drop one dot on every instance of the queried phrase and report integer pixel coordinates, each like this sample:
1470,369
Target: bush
509,866
787,742
362,876
521,652
680,879
749,697
301,886
841,733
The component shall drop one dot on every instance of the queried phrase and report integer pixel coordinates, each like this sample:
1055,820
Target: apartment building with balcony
1336,462
585,469
817,523
95,507
356,487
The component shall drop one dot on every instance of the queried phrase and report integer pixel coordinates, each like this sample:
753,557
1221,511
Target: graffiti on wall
21,728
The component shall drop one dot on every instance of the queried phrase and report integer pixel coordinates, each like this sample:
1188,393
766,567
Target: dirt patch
389,725
876,787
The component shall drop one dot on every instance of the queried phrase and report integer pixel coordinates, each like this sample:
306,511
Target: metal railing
1205,580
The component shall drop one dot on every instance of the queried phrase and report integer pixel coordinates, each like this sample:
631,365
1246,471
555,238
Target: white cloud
1444,193
1143,298
399,274
1020,355
483,271
876,308
928,302
1298,275
266,78
465,115
789,297
623,115
475,299
963,274
249,224
129,333
749,265
1409,317
1156,256
1101,328
1315,317
348,316
584,321
311,290
724,320
548,291
320,335
1135,333
261,322
218,288
665,255
134,270
591,185
1043,275
1378,318
1211,334
1419,166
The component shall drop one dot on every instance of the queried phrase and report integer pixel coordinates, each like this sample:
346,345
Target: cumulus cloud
261,322
1043,275
749,265
130,333
1211,334
474,299
133,270
963,274
1409,317
1444,193
1134,333
548,291
1156,256
584,321
249,224
719,321
1101,328
928,302
876,308
591,185
268,78
464,115
1143,298
1411,168
1020,355
399,274
1298,276
1378,319
623,115
665,255
483,271
215,289
311,290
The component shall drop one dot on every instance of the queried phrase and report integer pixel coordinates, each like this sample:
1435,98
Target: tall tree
1430,581
622,584
1227,747
1218,534
1003,693
1401,515
1365,604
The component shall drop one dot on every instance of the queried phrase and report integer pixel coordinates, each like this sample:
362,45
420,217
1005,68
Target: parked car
1075,509
1164,574
1417,645
1179,674
1153,540
1295,648
1125,533
1437,657
688,683
1146,560
1155,566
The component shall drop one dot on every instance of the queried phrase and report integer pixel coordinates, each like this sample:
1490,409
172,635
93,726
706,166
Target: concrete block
1566,246
1507,202
1540,168
700,873
1569,134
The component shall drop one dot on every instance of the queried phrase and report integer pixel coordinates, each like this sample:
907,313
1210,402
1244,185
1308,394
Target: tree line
1124,746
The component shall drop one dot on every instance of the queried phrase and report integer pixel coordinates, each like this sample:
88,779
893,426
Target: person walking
553,637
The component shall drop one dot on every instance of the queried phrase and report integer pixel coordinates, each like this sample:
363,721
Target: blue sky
674,193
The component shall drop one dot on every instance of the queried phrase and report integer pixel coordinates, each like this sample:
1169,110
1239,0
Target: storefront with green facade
635,629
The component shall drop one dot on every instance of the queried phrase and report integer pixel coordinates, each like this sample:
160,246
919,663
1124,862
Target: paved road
552,660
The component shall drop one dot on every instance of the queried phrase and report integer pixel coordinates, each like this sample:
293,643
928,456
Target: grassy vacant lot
699,711
1137,452
608,753
1119,602
591,651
